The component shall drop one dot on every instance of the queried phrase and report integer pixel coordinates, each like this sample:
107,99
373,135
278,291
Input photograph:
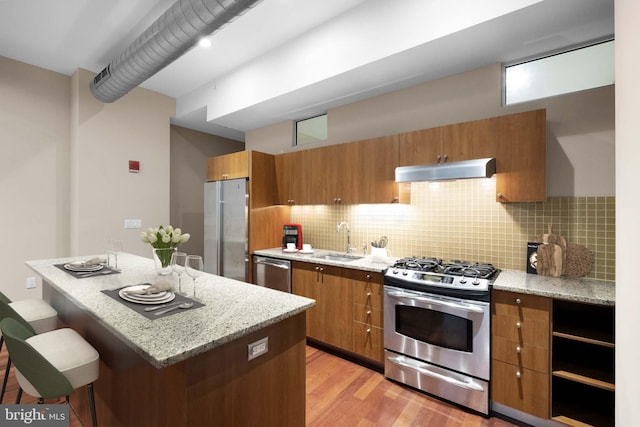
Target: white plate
302,251
290,251
83,268
158,298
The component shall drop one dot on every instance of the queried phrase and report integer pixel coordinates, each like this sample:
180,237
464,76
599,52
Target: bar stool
52,364
37,315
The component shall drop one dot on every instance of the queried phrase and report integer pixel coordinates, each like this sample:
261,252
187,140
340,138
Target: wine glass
178,260
193,267
116,249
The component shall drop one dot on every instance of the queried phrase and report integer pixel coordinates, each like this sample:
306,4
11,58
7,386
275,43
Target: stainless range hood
465,169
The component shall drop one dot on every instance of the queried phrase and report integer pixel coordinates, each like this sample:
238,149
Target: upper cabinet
517,141
353,173
228,166
521,153
461,141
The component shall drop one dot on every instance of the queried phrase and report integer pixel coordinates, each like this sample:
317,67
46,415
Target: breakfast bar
191,367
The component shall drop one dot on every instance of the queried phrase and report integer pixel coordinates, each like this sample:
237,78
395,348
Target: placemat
139,308
83,274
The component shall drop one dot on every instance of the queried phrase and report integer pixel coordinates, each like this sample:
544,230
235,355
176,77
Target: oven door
449,332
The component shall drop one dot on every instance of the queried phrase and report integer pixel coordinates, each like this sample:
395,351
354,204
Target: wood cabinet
330,320
517,141
460,141
368,319
228,166
349,307
521,331
353,173
521,157
583,374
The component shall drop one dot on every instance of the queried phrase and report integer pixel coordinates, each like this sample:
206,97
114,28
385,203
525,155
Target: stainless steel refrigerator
226,228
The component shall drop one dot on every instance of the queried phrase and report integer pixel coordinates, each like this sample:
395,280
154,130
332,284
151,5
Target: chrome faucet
349,248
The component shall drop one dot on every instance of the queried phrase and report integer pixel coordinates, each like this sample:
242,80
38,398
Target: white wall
628,206
580,126
103,192
34,177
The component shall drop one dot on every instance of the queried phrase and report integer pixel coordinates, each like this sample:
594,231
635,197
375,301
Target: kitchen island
189,368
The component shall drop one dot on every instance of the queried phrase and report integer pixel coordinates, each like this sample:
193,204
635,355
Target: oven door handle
463,384
456,305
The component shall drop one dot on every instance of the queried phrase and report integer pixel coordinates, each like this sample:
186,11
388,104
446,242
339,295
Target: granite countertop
365,263
232,309
579,289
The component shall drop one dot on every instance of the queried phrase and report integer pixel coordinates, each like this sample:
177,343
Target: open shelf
581,405
586,322
583,364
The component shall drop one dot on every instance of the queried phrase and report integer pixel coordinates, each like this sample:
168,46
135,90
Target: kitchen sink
339,257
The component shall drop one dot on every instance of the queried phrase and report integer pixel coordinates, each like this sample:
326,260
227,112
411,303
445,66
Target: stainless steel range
437,328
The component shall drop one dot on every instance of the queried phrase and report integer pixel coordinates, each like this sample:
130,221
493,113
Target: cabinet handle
500,196
368,276
518,349
438,158
368,312
368,330
368,294
446,158
518,325
518,374
518,301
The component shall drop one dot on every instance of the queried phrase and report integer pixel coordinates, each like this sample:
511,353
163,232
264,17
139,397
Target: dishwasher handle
271,263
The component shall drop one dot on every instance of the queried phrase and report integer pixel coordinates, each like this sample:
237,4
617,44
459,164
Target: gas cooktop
449,277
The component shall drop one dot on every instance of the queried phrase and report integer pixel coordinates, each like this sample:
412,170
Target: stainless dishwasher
272,273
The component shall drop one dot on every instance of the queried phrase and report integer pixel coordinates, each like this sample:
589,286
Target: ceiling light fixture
204,43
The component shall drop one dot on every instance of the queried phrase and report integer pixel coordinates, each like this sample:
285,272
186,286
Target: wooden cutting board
550,260
561,251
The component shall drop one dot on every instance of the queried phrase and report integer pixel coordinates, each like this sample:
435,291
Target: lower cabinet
367,314
520,352
554,359
348,310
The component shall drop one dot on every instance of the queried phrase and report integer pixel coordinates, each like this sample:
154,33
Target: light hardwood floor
344,394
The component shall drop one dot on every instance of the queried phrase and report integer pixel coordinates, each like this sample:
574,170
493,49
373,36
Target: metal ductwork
170,36
465,169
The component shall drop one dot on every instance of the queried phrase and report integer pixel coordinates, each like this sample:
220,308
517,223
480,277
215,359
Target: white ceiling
291,59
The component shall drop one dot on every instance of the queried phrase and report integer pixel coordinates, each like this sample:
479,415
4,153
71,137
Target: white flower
152,238
166,238
144,237
185,237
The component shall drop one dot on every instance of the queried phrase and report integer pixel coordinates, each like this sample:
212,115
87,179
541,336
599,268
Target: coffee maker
292,233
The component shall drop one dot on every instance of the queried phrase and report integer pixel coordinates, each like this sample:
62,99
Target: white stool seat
40,315
68,352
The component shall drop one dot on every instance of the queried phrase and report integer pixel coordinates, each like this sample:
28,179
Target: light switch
132,223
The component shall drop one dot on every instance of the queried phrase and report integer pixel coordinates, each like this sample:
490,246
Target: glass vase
162,260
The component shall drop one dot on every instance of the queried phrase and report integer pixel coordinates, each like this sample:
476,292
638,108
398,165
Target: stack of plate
132,294
81,268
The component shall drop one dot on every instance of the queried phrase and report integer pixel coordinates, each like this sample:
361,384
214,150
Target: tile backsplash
462,220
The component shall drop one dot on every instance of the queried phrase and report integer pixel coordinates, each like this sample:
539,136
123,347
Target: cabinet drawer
523,306
524,355
523,331
368,315
369,294
367,341
522,389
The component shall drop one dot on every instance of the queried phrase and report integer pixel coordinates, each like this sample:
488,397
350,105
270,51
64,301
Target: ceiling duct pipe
170,36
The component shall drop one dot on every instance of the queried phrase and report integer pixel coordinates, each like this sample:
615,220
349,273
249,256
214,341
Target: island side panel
219,387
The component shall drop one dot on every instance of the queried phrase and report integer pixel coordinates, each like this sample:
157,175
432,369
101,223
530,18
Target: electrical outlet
132,223
258,348
31,282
